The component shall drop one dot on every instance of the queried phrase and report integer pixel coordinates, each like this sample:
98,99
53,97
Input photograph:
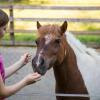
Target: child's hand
32,78
25,58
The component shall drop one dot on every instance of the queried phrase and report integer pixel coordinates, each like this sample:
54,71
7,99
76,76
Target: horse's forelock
54,30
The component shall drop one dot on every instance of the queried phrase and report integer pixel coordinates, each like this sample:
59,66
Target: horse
59,49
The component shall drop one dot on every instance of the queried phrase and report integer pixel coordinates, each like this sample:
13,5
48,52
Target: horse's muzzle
41,68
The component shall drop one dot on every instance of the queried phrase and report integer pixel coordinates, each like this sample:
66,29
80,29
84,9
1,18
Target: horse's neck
67,73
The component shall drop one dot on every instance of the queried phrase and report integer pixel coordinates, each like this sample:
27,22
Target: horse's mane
88,61
80,47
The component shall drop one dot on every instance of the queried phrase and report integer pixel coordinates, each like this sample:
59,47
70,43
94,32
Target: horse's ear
38,25
64,27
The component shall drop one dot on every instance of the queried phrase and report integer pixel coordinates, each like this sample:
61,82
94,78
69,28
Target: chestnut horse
53,50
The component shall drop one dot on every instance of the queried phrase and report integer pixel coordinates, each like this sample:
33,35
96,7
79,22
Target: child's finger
37,79
36,74
28,56
28,60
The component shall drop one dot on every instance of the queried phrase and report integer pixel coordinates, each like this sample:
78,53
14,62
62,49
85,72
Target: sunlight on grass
40,13
71,26
29,25
54,2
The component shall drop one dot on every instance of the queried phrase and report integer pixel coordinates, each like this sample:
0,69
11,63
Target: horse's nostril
34,62
42,61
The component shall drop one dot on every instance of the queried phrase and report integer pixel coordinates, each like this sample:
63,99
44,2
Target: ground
45,86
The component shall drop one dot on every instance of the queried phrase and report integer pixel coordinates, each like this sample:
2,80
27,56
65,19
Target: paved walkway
46,85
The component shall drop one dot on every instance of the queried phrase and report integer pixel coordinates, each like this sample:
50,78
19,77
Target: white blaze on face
48,38
38,59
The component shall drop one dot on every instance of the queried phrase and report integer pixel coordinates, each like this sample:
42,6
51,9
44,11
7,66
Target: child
6,91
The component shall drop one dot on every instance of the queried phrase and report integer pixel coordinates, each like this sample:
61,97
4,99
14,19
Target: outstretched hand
25,58
32,78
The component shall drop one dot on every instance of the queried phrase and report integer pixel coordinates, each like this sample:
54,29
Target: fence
82,8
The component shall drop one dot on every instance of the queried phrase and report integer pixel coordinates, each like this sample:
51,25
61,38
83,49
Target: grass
40,13
89,38
25,37
29,25
21,37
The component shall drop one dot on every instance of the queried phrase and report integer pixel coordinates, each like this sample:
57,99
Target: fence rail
86,20
75,32
91,8
83,8
57,94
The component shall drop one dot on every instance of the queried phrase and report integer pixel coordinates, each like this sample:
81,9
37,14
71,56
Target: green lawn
40,13
21,37
89,38
31,37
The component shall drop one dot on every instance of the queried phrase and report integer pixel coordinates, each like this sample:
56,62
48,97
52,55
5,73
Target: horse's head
50,47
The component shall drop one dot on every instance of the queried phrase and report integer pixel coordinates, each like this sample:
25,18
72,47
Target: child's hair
3,18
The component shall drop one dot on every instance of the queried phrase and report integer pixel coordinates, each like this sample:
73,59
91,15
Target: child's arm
12,69
6,91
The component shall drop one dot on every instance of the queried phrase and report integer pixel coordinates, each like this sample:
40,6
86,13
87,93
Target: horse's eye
37,42
57,41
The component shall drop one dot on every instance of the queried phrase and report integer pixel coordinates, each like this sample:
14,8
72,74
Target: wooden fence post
12,37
